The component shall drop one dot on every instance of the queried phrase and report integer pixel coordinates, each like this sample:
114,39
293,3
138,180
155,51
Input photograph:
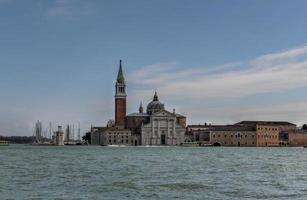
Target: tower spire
120,75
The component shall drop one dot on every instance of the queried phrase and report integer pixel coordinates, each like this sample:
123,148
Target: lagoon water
94,172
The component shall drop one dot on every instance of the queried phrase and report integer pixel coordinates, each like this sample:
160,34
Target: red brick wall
297,139
135,122
120,111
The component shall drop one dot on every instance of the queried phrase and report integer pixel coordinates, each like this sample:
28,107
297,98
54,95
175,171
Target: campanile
120,98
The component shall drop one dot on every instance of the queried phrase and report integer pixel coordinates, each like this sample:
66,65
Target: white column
168,133
159,134
174,129
152,131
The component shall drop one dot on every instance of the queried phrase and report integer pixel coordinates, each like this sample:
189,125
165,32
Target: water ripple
90,172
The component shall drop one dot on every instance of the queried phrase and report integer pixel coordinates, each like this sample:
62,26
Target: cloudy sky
214,61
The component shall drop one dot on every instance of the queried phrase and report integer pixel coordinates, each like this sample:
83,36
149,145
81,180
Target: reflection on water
94,172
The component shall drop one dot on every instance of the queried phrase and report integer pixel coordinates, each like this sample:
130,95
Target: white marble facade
162,130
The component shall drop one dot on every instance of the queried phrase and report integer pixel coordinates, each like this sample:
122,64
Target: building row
158,126
248,133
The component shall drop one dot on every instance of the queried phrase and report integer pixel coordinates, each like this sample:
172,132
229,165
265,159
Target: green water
94,172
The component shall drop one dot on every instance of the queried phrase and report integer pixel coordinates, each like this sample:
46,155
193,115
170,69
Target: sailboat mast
79,137
73,132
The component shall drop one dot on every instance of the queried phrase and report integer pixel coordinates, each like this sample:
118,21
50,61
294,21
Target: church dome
155,105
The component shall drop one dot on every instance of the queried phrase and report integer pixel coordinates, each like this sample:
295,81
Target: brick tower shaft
120,111
120,98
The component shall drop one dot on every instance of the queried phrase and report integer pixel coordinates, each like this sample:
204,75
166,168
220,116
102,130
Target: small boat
190,144
4,143
116,145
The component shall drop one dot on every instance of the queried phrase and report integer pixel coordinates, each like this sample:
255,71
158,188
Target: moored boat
4,143
190,144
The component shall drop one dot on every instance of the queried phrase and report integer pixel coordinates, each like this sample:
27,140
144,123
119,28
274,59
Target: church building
156,126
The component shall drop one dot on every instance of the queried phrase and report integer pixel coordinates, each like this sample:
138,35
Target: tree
87,137
304,127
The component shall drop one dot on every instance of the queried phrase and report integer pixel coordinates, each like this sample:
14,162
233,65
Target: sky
214,61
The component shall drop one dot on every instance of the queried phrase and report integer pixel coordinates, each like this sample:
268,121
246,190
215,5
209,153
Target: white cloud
284,56
191,90
261,75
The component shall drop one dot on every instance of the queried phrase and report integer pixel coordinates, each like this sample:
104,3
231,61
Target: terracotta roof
179,115
222,127
254,123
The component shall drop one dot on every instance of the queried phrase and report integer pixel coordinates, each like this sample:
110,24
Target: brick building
223,135
293,138
268,132
244,133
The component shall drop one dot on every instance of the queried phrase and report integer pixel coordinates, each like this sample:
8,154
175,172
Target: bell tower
120,98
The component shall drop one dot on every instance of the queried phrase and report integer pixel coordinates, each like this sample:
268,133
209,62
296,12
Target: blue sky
214,61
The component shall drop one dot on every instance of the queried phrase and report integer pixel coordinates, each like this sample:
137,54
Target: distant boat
116,145
4,143
190,144
42,144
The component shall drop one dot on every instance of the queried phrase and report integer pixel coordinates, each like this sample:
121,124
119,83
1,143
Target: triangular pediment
163,113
